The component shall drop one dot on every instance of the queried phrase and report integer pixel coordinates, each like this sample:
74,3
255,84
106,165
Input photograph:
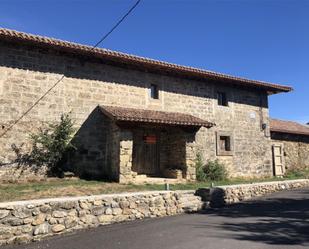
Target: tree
51,145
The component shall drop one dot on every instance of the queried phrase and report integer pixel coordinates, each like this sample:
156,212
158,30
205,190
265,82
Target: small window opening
222,99
225,143
154,91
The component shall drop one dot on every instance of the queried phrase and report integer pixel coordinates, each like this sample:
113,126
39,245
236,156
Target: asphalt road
280,220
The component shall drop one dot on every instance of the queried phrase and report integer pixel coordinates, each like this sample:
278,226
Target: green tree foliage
51,145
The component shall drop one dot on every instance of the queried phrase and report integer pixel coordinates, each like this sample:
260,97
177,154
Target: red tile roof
290,127
137,61
150,116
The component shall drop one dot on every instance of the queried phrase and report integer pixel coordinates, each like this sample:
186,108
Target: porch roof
151,116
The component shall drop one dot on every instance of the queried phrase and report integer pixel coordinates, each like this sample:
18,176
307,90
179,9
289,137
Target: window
225,143
222,99
154,91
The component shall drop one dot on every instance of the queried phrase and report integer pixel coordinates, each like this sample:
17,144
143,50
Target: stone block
105,219
59,214
22,213
70,222
4,213
13,221
117,211
108,211
22,239
39,219
98,211
41,229
84,205
88,219
45,208
58,228
68,205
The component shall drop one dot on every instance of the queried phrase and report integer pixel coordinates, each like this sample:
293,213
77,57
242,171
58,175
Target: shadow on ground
276,220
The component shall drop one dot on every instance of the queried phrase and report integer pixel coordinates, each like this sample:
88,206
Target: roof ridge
291,127
291,121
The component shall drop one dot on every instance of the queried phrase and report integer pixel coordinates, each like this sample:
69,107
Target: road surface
280,220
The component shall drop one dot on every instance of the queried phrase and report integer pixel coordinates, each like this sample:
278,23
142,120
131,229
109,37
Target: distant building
290,145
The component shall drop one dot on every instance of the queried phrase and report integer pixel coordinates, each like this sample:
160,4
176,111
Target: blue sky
259,39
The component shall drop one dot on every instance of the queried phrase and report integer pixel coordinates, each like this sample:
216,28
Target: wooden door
146,153
278,160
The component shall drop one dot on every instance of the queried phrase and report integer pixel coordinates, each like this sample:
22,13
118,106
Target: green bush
297,173
215,171
212,171
199,166
51,145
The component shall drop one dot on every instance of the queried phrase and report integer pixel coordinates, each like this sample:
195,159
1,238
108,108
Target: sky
258,39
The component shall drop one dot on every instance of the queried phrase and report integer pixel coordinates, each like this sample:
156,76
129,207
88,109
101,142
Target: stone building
290,142
136,117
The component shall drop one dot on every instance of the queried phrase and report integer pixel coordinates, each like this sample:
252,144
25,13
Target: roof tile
12,35
151,116
290,127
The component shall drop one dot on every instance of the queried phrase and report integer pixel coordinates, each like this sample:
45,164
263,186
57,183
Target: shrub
199,166
297,173
51,145
215,171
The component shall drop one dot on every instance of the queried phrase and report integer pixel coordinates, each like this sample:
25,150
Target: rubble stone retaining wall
25,221
223,195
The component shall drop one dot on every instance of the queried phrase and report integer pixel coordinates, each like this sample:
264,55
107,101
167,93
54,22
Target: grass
77,187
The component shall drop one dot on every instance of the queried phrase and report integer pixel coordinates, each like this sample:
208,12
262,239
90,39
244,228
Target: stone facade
27,72
295,148
26,221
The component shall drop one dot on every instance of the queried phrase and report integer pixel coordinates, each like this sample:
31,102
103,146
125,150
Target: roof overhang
142,116
140,63
285,131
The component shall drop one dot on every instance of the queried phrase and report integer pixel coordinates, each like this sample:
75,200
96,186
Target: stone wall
27,72
176,151
173,146
92,158
179,152
223,195
296,149
26,221
126,174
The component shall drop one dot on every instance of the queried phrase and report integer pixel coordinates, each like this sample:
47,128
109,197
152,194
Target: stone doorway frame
126,144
